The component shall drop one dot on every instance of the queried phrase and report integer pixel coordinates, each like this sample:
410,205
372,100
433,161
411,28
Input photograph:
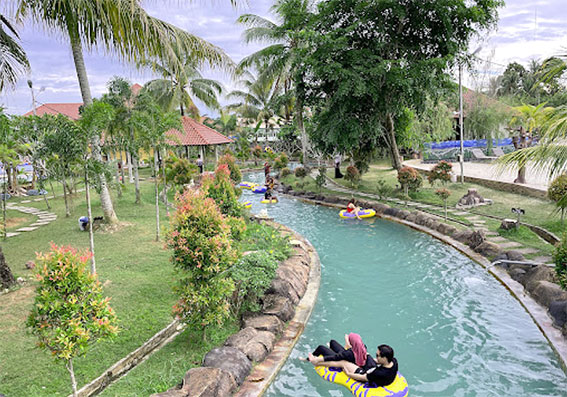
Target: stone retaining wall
266,337
538,281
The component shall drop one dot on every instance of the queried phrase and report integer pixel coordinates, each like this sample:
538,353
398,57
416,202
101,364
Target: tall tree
368,62
178,88
125,29
256,99
13,59
152,124
282,57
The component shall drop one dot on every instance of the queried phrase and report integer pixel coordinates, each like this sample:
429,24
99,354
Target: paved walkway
44,217
476,221
489,171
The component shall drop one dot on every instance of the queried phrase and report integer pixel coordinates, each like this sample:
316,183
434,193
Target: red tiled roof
136,89
70,110
196,134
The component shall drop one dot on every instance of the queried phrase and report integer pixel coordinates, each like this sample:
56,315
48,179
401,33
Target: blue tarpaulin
469,143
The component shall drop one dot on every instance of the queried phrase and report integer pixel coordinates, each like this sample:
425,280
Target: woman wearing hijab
354,351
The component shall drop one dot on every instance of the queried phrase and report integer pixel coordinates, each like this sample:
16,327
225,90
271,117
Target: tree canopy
369,62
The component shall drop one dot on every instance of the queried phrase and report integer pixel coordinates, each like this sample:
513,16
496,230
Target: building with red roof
197,135
70,110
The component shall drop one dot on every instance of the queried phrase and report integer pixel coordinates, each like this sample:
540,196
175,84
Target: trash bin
83,223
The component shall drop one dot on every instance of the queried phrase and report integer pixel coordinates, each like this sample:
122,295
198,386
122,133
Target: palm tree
550,155
281,58
256,100
177,88
123,28
13,59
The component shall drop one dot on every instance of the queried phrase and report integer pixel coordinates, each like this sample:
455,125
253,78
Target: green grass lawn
137,275
539,212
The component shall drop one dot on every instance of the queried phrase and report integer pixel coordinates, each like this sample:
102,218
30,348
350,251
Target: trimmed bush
222,191
444,195
281,161
321,179
70,312
410,179
202,253
285,172
180,171
252,276
300,172
557,192
230,161
352,175
441,172
560,260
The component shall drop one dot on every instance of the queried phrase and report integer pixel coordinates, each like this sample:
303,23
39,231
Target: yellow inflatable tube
270,201
366,213
247,185
398,388
247,204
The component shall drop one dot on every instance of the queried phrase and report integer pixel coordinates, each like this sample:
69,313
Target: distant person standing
200,164
338,174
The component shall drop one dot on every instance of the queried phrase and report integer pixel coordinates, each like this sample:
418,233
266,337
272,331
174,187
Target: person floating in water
354,352
270,184
352,208
381,374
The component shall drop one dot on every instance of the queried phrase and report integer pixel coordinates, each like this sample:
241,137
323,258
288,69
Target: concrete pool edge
536,311
264,373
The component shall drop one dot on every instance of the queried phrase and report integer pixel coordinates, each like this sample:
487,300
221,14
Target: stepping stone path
497,239
44,218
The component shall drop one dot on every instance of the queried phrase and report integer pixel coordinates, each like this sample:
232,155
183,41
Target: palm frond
547,159
252,20
262,57
13,59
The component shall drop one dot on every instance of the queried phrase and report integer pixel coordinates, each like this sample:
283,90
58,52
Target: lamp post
461,127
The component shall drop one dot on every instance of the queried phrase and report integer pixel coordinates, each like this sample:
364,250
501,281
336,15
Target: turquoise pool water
456,331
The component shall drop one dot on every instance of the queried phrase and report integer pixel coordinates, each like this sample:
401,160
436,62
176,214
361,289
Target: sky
527,29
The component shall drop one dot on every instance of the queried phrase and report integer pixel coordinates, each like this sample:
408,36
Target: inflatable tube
259,189
366,213
247,204
270,201
247,185
398,388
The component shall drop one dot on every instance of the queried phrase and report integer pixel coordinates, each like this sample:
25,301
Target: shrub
230,161
202,253
409,179
560,260
441,172
321,178
383,189
252,276
557,192
300,172
69,312
266,238
444,195
285,172
281,161
221,190
352,175
257,152
180,171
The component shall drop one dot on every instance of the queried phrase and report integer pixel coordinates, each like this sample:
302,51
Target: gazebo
196,134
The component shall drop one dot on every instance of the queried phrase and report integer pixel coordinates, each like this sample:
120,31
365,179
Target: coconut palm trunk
76,49
136,178
66,198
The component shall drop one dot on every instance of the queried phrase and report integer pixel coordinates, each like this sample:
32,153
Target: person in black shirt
353,352
381,375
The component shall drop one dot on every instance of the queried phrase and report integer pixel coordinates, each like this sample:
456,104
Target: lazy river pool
455,330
